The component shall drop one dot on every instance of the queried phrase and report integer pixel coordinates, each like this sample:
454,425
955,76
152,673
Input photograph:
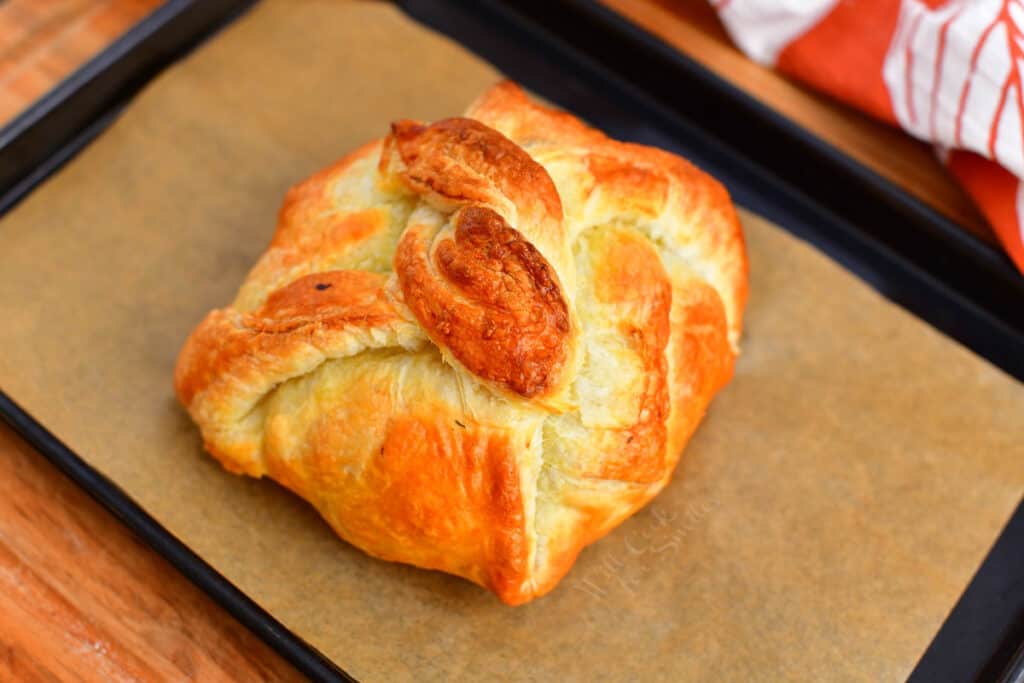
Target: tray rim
55,127
301,654
100,95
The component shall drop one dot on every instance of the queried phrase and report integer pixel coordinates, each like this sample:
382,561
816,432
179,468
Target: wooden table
80,597
42,41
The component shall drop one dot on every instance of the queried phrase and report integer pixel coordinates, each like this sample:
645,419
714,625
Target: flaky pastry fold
478,345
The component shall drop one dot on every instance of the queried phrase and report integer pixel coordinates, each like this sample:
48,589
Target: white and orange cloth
946,71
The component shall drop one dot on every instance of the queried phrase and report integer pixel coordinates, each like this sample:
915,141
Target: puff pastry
478,345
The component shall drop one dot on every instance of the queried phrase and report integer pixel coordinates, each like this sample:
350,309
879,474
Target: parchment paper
822,523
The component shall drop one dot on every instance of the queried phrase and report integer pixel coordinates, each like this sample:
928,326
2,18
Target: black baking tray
586,58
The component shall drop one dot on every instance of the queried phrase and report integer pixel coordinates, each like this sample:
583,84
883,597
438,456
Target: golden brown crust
310,203
478,345
430,486
462,161
482,290
490,298
700,201
630,276
332,301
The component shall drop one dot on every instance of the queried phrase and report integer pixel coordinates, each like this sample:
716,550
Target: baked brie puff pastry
480,344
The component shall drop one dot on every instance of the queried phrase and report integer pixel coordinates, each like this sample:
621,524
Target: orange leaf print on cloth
954,76
946,71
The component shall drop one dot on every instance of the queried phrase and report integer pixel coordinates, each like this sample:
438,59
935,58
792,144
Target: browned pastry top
478,345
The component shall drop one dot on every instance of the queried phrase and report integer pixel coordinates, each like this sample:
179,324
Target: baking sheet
821,524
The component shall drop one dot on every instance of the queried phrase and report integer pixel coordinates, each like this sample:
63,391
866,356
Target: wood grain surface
43,41
81,599
692,27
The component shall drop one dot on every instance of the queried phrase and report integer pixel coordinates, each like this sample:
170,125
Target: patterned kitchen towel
946,71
